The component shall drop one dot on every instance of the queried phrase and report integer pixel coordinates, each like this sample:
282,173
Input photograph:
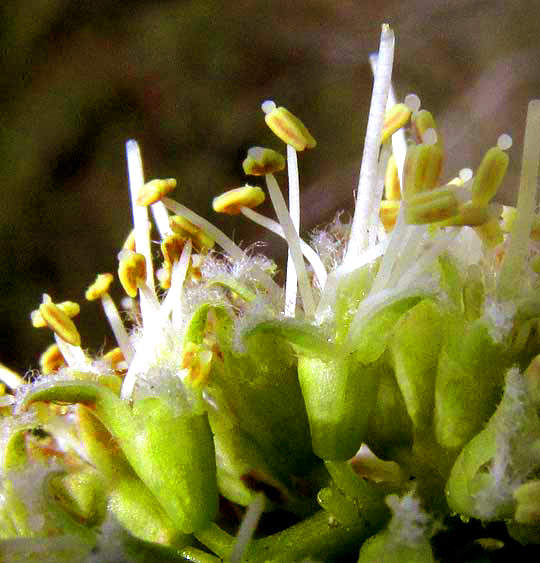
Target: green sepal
130,500
375,335
451,280
306,339
339,395
82,494
178,466
469,381
258,389
390,427
234,286
414,350
510,438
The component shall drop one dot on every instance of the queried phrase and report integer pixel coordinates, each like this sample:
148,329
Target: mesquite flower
400,360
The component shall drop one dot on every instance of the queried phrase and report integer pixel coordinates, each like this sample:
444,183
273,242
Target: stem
319,536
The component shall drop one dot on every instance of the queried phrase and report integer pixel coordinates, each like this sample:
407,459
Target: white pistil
291,281
510,277
117,326
399,142
310,255
293,240
368,170
10,378
373,229
140,222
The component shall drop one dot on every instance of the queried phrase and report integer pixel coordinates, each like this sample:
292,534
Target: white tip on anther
465,174
429,136
268,106
504,142
412,101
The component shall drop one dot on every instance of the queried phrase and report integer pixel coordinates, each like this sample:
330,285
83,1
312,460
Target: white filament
293,240
291,281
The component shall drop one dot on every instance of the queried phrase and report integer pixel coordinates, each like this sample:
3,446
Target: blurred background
186,79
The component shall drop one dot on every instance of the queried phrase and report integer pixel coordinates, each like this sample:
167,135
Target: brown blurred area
186,79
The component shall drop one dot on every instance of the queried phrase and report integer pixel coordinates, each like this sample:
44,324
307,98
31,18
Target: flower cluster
398,367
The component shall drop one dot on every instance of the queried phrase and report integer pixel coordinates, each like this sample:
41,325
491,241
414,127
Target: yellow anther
198,361
260,161
154,190
392,188
232,201
509,215
489,176
99,287
431,207
289,129
490,232
114,357
388,213
70,308
395,118
131,272
51,360
423,165
469,215
172,246
181,226
58,321
129,243
424,127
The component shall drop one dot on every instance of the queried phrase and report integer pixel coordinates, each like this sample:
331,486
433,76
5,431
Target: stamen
509,281
392,186
100,290
395,118
293,240
131,271
368,170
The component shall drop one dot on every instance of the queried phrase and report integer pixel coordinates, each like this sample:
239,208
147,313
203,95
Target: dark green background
186,79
